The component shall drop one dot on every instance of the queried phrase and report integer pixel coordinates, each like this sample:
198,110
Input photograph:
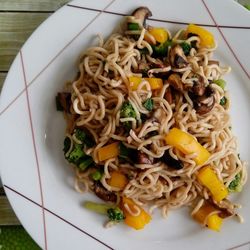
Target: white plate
37,180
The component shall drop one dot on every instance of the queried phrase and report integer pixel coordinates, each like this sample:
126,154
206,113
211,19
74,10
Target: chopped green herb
144,51
149,104
221,83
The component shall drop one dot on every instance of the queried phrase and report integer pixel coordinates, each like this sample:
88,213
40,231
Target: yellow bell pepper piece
155,83
118,180
136,222
160,34
187,144
109,151
213,221
206,37
209,179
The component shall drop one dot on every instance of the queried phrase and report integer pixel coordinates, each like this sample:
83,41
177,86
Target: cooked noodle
97,96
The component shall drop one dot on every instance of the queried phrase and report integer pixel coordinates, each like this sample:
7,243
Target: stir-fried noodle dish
148,126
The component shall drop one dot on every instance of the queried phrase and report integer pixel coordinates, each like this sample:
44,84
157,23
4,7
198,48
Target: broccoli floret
161,50
84,137
149,104
115,214
97,175
133,26
80,134
85,163
67,143
223,101
186,48
235,184
127,110
76,154
221,83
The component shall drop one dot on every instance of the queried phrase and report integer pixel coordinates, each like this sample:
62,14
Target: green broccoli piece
84,137
223,101
97,175
221,83
67,144
161,50
80,134
115,214
85,163
126,111
133,26
149,104
235,184
186,48
76,154
97,207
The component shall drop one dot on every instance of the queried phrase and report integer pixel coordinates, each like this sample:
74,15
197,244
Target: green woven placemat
16,238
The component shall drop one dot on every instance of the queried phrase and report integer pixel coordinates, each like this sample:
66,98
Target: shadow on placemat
16,238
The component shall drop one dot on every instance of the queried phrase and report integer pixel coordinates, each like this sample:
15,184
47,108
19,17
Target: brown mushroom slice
177,58
204,104
199,87
212,62
175,81
227,208
168,96
141,14
143,158
103,193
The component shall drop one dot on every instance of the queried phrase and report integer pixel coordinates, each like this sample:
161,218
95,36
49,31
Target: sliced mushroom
168,96
103,193
212,62
175,81
143,158
63,101
141,14
177,58
170,161
227,209
199,87
205,103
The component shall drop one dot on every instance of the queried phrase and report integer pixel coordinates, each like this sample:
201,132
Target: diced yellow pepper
214,222
134,82
137,222
187,144
160,34
206,37
118,180
155,83
108,151
209,179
